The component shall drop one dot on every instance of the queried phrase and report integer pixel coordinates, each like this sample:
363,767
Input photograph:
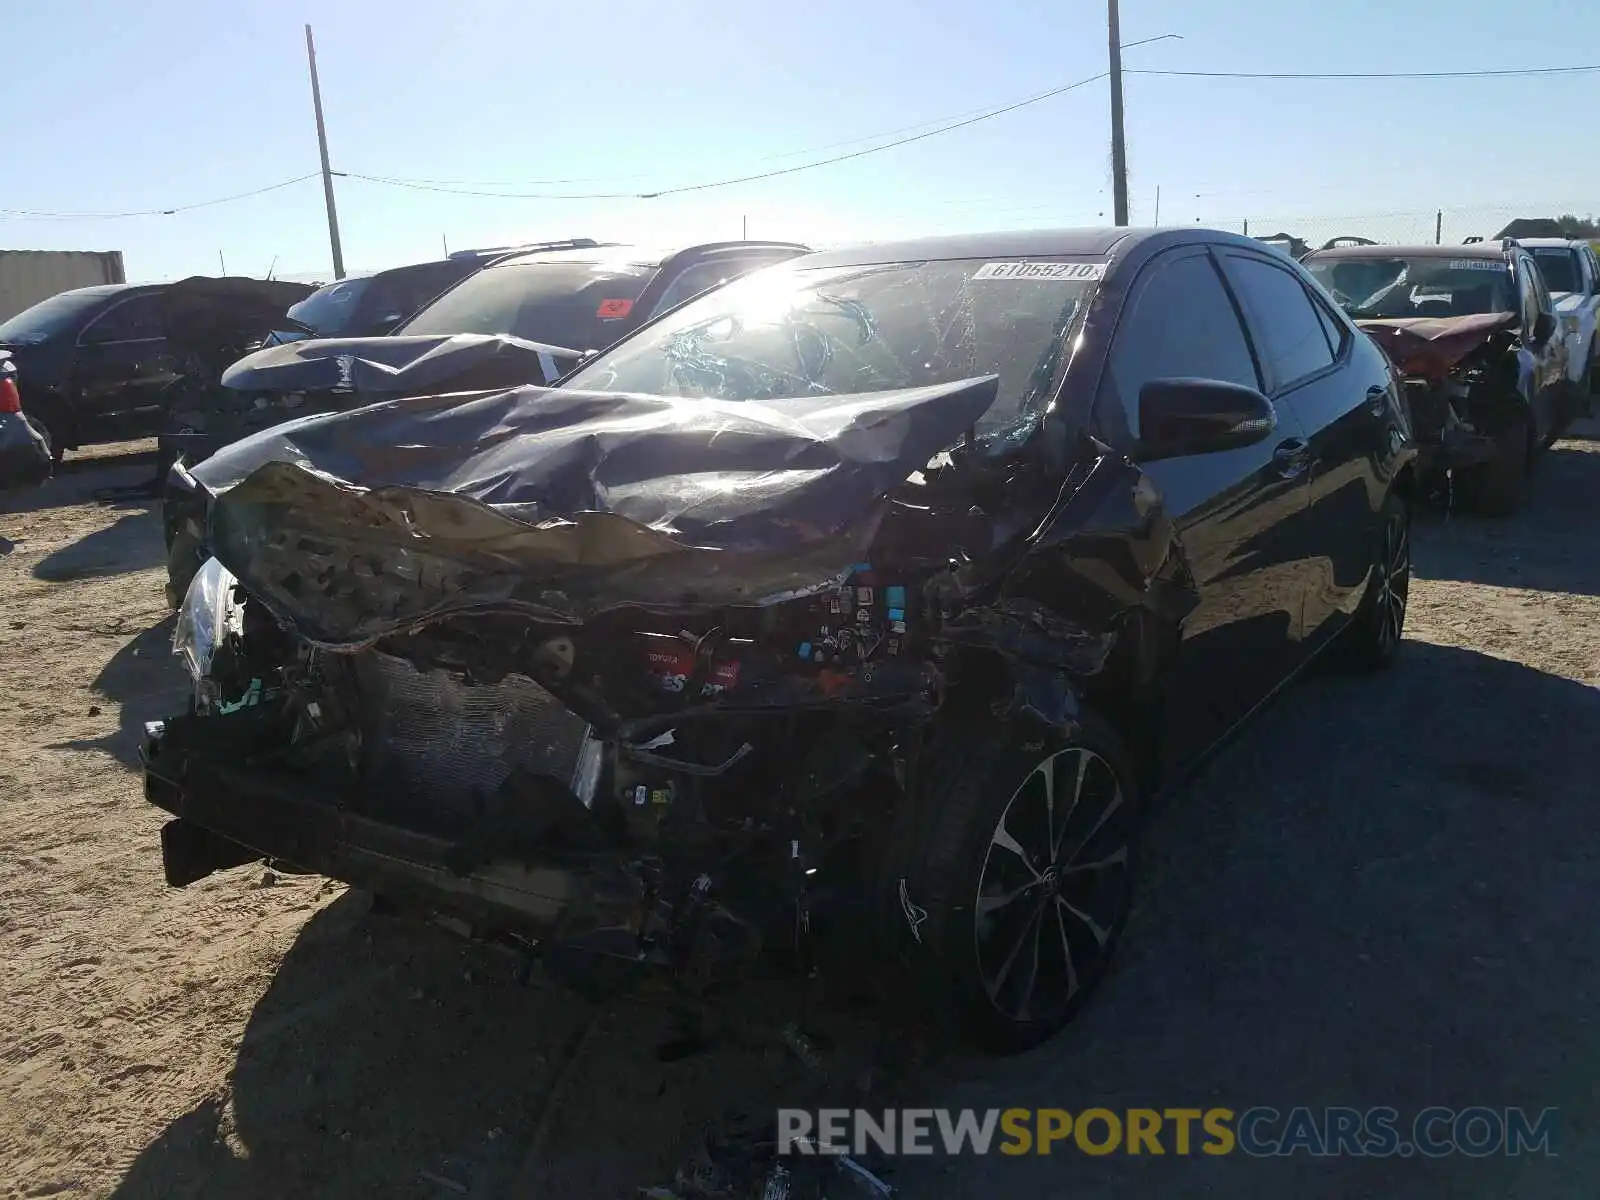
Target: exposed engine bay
581,727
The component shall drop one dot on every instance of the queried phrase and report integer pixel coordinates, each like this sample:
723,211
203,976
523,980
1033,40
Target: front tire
1011,875
184,561
1497,485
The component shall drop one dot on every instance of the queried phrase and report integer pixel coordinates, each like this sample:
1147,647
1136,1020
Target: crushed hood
1430,347
563,504
205,314
402,365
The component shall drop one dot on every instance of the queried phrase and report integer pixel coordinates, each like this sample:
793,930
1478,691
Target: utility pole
1157,221
327,172
1119,152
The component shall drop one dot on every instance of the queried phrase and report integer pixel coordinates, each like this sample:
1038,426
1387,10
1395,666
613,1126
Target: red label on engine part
674,666
612,309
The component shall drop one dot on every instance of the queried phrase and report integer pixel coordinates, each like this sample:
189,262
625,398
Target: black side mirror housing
1544,327
1200,416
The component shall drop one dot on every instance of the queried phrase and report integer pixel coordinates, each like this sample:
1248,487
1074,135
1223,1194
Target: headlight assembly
208,615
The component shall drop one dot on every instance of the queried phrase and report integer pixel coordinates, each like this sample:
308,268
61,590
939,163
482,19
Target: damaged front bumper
1444,441
228,814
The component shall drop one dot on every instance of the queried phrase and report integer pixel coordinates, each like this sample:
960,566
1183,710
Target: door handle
1377,399
1292,458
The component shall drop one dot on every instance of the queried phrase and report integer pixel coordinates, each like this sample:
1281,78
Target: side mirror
1544,327
1200,416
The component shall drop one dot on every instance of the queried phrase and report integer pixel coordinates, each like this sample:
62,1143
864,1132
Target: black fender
1088,610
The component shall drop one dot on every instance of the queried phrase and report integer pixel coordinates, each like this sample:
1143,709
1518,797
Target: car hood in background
561,504
1429,347
401,365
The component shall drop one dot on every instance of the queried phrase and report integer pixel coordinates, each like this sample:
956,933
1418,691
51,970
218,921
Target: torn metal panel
1431,347
562,504
216,318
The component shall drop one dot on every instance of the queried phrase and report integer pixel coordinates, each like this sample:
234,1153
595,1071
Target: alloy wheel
1394,583
1055,884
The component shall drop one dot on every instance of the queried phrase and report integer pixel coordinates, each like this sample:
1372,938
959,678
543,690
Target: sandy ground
1382,894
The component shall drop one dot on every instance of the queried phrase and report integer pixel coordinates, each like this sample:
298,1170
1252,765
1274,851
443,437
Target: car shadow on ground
1547,546
1380,895
82,480
1374,897
146,683
393,1058
132,543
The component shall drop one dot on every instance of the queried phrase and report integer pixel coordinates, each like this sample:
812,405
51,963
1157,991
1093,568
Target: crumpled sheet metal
1107,557
203,311
563,504
1430,347
401,365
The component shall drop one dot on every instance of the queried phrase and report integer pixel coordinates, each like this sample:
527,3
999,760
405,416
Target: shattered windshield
1417,287
1558,266
790,331
577,305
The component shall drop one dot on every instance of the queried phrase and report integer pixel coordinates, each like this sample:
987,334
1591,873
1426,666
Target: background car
1472,329
372,304
95,363
1572,273
872,593
525,318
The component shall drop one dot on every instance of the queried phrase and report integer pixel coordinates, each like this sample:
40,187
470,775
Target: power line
36,214
1508,72
945,122
730,182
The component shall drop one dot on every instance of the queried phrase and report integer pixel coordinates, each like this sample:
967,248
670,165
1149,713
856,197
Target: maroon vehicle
1472,330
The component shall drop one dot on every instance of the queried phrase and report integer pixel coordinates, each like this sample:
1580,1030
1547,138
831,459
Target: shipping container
29,276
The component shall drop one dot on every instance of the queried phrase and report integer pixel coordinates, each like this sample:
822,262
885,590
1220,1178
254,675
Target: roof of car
638,256
112,289
1472,250
1548,243
1095,243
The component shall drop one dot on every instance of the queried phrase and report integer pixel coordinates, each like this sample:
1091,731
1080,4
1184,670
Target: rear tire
1496,486
1372,640
1009,878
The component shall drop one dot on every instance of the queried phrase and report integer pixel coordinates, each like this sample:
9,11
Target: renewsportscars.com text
1476,1132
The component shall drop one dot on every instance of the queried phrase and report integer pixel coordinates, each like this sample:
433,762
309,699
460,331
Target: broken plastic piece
803,1047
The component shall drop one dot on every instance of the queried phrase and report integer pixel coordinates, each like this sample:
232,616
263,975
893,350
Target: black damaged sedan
862,602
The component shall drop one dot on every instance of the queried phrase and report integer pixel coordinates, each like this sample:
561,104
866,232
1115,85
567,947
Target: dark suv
371,305
98,364
92,363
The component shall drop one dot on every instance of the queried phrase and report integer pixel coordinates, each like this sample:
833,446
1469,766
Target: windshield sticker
612,309
1478,264
1040,270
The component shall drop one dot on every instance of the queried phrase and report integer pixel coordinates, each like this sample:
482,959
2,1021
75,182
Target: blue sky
114,107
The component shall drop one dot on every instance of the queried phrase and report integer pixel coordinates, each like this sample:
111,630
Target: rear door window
1181,324
1290,335
135,319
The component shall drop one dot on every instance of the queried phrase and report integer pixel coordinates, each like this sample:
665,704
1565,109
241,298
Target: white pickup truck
1571,272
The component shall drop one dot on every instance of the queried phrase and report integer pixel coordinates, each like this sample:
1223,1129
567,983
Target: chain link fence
1447,226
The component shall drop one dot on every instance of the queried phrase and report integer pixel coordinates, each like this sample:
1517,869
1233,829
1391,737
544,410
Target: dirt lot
1383,894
